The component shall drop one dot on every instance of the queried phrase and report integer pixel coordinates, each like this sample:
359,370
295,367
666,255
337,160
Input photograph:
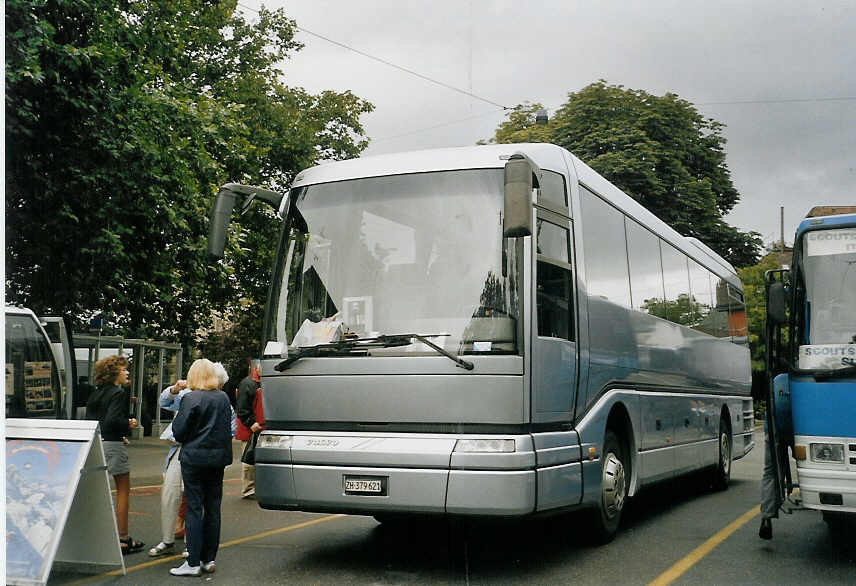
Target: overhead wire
507,108
391,64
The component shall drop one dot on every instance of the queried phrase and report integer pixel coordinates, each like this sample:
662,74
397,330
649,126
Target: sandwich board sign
59,511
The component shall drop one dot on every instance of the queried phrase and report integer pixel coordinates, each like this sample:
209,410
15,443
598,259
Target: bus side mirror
517,214
776,303
221,214
224,203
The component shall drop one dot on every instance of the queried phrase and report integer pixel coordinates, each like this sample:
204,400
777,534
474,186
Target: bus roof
826,222
548,156
817,211
14,310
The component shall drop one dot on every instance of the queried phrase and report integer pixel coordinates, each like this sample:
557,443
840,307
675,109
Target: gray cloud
796,154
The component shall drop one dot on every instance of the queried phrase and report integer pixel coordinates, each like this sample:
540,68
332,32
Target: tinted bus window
676,281
552,190
646,272
702,300
737,324
605,249
719,315
555,317
32,380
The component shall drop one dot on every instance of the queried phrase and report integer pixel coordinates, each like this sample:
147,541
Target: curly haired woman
109,406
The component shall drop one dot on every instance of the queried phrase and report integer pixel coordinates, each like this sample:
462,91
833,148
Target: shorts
116,454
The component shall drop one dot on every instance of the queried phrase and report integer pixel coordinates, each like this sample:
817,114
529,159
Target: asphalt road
679,532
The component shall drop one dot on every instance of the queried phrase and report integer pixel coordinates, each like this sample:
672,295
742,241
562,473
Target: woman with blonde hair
109,406
203,426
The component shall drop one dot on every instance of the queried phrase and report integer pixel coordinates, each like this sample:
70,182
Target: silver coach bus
489,331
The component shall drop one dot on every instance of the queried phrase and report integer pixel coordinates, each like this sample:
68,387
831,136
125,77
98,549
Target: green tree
123,118
657,149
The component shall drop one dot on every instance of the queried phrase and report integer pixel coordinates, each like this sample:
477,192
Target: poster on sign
57,491
40,476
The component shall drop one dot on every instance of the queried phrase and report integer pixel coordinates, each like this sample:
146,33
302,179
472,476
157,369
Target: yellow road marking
239,541
158,486
705,548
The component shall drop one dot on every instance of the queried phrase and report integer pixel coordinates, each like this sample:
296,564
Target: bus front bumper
823,489
466,492
376,474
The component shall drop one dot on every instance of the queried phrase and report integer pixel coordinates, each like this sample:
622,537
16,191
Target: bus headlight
485,445
827,453
274,441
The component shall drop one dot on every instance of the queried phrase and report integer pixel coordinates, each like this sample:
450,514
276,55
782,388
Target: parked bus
33,384
489,331
59,331
811,362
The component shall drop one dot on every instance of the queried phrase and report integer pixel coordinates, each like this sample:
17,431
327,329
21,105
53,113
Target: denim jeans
203,488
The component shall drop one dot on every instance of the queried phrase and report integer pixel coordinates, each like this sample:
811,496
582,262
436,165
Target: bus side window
721,308
605,247
552,192
554,300
646,271
737,324
676,282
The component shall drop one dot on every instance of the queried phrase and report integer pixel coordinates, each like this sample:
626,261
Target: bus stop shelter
154,364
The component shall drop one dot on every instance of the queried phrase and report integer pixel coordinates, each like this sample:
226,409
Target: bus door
777,439
554,351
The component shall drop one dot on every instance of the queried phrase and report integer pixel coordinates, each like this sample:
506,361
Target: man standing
250,420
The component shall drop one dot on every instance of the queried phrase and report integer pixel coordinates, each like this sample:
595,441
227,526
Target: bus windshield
830,281
417,254
32,377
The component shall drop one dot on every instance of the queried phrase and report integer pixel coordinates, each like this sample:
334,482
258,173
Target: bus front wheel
613,488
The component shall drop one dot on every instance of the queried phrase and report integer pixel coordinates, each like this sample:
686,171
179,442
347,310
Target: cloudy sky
780,74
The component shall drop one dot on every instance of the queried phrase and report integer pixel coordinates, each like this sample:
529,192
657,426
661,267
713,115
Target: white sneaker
209,567
186,570
185,553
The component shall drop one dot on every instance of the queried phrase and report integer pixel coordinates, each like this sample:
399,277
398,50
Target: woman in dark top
108,404
203,426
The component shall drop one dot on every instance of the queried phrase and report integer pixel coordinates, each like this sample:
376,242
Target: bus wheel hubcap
613,485
724,456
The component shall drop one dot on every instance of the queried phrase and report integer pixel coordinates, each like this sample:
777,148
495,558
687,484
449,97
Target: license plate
364,485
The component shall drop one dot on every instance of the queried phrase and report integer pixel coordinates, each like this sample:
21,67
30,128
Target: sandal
161,549
131,545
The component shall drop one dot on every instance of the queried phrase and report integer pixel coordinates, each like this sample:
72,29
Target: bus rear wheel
722,472
613,488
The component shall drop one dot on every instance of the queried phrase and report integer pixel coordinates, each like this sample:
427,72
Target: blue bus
489,331
811,363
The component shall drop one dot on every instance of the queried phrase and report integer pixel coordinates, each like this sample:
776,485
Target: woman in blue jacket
203,427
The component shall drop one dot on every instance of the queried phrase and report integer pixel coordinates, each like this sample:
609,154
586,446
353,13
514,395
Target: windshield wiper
349,347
